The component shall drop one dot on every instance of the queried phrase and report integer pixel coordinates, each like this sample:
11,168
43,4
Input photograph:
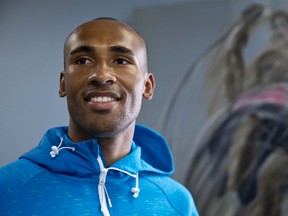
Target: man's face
105,79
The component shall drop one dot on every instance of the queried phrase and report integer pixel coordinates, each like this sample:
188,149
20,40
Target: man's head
104,79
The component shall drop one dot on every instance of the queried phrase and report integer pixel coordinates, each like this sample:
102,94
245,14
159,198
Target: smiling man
103,163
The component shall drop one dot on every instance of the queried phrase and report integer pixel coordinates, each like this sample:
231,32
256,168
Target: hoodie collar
149,152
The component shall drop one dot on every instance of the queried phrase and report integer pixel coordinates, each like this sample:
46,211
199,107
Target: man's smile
99,101
102,99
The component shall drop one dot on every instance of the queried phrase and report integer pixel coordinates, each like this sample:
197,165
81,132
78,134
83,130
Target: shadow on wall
173,43
240,160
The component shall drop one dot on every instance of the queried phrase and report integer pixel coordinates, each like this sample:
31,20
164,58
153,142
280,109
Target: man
103,163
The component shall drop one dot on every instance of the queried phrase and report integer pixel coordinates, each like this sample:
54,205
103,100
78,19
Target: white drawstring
56,149
136,189
102,191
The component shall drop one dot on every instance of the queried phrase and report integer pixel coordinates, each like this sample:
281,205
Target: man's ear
149,86
62,92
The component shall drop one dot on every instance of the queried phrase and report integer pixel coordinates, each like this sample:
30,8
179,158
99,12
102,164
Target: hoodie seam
21,187
167,197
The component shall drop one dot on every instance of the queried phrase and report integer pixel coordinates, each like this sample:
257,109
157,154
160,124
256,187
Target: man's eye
121,61
83,61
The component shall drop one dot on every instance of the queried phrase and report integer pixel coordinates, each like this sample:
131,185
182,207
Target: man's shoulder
179,196
21,168
13,176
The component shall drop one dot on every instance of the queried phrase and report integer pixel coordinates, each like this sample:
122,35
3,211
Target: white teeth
101,99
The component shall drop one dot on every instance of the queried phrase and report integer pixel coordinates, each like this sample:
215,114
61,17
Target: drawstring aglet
54,152
135,191
56,149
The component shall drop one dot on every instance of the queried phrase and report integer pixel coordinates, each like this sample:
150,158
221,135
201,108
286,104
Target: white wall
176,39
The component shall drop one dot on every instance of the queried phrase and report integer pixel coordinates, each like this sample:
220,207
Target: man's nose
102,74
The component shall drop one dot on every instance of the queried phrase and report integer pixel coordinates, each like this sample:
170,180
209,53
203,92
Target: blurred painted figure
241,158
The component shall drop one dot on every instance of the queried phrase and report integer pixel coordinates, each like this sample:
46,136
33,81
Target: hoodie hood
142,173
62,176
57,153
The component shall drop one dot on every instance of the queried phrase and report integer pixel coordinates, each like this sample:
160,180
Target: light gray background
32,34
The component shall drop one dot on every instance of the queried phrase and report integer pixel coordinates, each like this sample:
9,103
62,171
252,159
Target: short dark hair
105,18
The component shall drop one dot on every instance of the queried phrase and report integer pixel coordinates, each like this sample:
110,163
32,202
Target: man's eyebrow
83,49
121,49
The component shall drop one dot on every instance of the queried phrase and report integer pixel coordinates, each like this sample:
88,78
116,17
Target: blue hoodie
60,177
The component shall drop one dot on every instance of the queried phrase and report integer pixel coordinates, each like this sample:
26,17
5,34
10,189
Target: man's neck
114,147
117,147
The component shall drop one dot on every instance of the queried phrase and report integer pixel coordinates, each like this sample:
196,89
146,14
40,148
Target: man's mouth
101,96
102,99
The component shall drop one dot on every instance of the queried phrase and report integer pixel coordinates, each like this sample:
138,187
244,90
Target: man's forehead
111,31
